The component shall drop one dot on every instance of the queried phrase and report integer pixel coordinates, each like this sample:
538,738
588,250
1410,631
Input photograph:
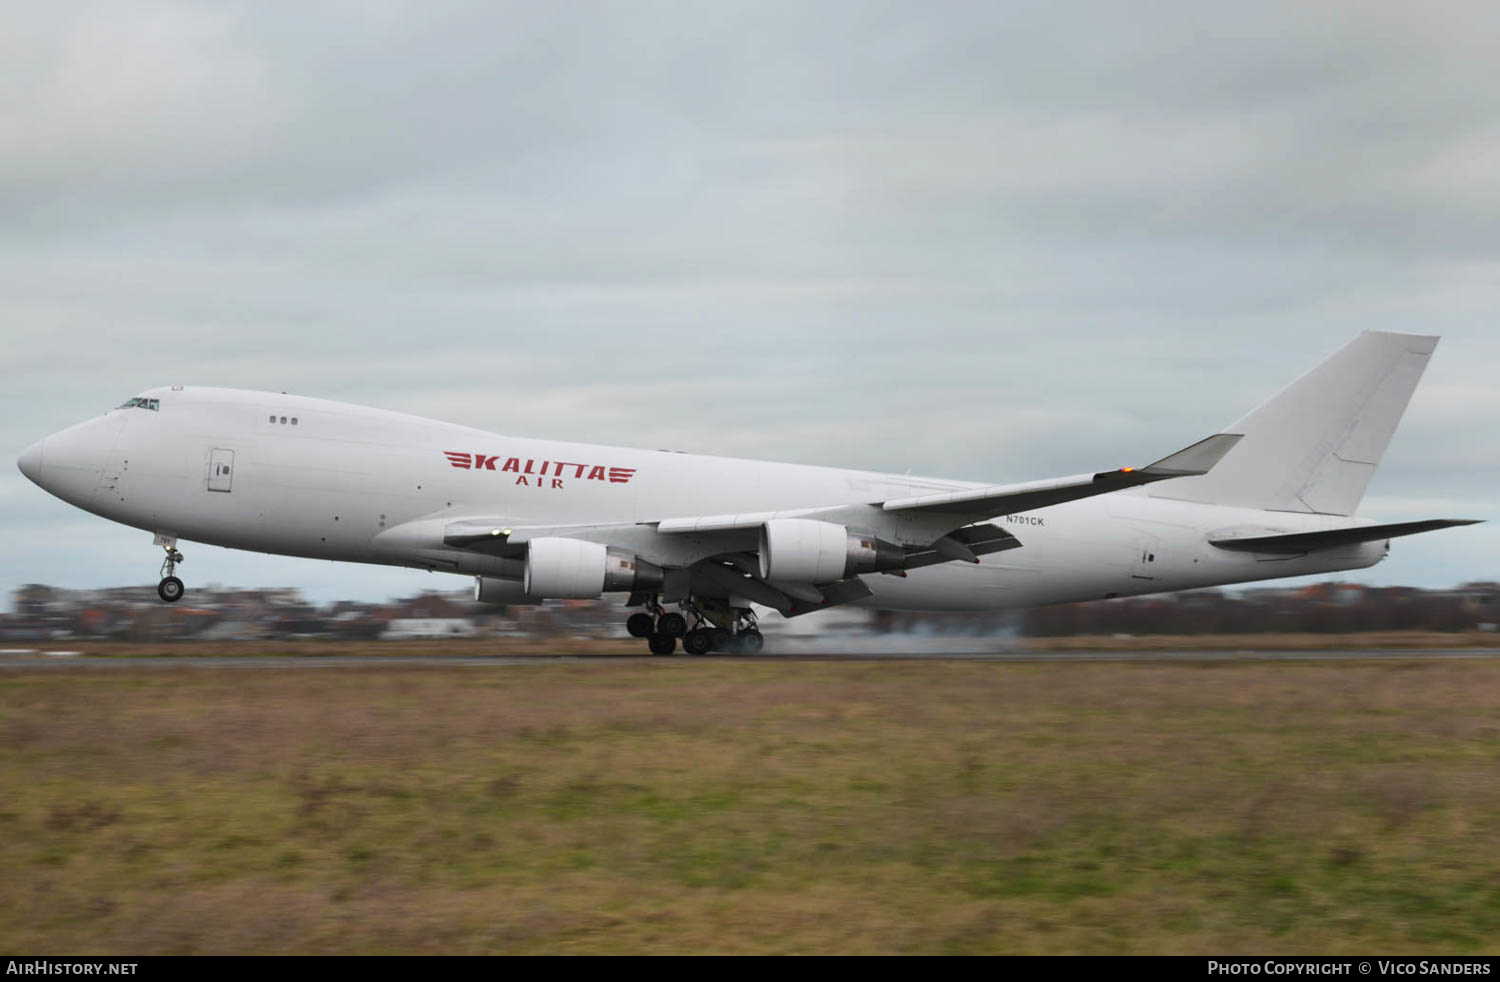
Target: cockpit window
139,403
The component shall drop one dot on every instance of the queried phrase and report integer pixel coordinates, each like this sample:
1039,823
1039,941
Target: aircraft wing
923,530
943,523
1004,499
944,511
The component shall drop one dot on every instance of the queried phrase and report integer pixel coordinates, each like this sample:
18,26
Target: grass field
737,806
917,643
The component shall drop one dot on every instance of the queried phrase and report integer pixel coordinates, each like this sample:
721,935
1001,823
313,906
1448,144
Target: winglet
1200,458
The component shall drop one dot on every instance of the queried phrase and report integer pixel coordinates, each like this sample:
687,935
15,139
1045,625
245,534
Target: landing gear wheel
751,641
663,644
170,589
721,638
640,625
672,625
698,642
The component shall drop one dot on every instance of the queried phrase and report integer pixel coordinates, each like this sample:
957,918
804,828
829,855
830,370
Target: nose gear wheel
170,588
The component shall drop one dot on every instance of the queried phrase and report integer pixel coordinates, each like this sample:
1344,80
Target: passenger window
283,419
273,419
294,421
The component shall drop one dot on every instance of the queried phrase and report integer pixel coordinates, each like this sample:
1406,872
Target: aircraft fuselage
309,477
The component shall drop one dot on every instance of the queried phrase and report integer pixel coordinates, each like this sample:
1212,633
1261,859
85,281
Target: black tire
697,642
640,625
721,638
751,641
170,589
663,644
672,625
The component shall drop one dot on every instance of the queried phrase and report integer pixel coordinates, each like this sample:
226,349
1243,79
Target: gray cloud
995,242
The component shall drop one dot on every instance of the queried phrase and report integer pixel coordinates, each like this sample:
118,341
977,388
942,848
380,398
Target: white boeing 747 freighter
1273,495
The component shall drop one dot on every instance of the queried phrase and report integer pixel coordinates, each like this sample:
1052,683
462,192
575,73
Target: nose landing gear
170,589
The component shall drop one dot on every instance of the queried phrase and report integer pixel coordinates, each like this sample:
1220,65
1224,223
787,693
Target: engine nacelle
868,554
802,550
624,571
494,590
562,568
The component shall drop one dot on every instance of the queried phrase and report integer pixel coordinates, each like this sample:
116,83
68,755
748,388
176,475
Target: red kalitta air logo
546,473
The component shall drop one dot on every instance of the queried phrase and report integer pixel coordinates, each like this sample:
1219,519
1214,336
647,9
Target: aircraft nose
70,463
30,462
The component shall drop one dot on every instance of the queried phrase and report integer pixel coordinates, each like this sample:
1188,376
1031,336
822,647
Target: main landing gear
662,628
170,589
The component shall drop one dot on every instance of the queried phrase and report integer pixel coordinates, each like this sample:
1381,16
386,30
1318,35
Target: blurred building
40,612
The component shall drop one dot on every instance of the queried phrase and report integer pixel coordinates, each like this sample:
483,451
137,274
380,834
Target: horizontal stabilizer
1297,542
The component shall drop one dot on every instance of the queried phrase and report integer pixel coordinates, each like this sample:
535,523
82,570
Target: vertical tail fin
1314,446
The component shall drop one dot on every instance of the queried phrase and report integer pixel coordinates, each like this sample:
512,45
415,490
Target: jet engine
576,568
801,550
494,590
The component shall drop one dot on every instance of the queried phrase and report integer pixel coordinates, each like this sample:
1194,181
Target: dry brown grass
735,806
283,647
1409,640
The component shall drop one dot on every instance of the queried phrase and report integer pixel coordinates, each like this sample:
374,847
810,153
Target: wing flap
790,599
979,540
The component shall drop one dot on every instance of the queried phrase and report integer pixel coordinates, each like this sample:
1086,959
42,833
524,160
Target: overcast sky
986,241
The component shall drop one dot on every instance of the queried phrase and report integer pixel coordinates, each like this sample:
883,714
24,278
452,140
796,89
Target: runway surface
62,659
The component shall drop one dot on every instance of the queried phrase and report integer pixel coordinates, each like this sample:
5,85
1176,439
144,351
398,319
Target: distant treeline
1323,608
1326,608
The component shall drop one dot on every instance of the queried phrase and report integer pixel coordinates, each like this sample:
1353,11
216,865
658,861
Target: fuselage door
220,470
1143,566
